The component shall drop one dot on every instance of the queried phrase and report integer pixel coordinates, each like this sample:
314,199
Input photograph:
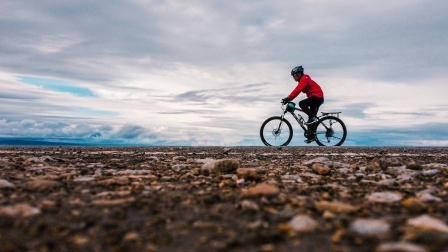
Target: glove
285,100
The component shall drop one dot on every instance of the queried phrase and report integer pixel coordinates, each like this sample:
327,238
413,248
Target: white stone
303,223
428,223
370,227
6,184
384,197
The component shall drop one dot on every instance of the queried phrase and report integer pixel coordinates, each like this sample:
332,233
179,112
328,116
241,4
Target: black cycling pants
311,105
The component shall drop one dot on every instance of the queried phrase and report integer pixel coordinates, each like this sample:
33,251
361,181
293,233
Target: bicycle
328,130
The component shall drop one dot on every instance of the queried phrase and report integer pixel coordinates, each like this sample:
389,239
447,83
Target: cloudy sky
210,72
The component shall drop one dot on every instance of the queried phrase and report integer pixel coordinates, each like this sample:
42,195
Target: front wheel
330,131
276,131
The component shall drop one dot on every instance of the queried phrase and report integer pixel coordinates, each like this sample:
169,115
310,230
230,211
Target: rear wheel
330,131
276,131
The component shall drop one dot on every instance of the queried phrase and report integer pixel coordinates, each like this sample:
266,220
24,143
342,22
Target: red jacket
308,86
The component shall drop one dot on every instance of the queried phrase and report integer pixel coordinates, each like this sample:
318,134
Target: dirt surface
223,199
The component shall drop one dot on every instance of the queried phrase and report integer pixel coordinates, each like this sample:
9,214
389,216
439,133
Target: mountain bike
328,130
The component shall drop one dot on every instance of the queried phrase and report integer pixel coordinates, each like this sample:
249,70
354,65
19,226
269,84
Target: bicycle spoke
330,131
273,132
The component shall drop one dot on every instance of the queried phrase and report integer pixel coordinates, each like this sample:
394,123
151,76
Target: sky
208,73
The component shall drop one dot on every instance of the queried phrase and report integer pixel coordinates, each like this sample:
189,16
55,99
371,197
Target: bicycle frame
300,122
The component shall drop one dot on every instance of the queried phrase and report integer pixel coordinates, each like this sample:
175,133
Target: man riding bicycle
314,93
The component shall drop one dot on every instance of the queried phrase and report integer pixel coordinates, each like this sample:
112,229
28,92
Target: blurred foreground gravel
223,199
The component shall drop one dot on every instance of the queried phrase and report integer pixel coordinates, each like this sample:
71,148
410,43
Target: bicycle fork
279,128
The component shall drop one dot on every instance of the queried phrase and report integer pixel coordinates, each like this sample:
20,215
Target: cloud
130,132
210,72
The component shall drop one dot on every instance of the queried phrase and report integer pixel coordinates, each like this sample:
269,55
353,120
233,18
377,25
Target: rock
84,179
385,163
344,170
153,158
321,160
262,189
414,205
225,166
431,172
222,166
335,207
321,169
99,172
401,170
293,178
112,202
19,210
248,205
40,159
426,196
131,236
303,223
226,151
400,246
5,184
41,185
387,182
180,158
384,197
115,181
438,166
178,167
428,223
370,227
208,167
414,166
247,173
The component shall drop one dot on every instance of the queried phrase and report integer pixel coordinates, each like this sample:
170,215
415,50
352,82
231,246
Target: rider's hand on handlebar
285,100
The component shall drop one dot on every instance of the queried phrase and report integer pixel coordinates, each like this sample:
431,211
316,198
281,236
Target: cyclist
314,93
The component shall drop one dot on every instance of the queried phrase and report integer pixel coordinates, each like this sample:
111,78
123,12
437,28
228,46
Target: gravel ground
223,199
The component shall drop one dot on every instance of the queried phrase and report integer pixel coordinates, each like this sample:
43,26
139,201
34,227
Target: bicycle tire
330,131
270,134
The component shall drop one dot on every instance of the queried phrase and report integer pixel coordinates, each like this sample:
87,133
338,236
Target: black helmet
296,70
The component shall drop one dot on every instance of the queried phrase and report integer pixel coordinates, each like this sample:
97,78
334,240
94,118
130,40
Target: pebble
426,196
19,210
248,205
371,227
387,182
303,223
385,163
414,166
292,178
222,166
426,223
179,158
5,184
226,166
262,189
41,185
335,207
178,167
84,179
431,172
321,169
247,173
400,246
414,205
115,181
384,197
